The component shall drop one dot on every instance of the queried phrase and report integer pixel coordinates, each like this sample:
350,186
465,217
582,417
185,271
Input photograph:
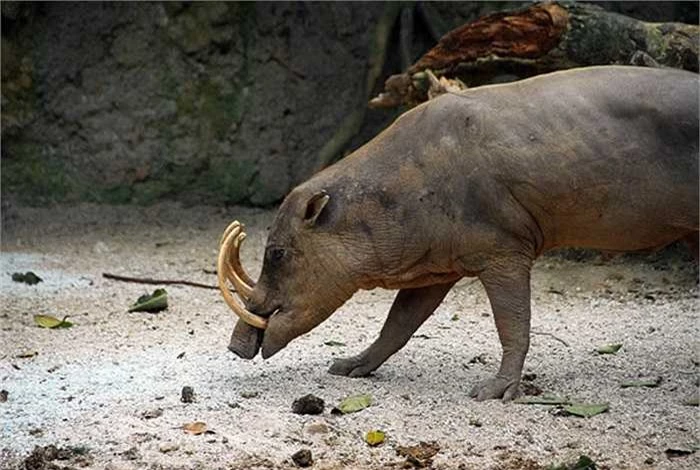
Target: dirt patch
51,457
94,385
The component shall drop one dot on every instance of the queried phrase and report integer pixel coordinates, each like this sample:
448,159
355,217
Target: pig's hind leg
507,284
410,309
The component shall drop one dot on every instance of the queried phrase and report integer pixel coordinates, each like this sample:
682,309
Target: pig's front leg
409,310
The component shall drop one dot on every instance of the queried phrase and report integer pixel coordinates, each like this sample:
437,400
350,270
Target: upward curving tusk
233,269
230,245
229,229
235,260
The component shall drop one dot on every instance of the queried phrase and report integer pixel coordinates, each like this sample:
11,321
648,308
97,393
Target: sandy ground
88,387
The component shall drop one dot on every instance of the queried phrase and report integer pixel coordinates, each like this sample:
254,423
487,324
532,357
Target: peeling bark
541,38
527,34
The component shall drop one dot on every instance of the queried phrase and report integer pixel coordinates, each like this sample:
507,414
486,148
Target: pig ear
314,207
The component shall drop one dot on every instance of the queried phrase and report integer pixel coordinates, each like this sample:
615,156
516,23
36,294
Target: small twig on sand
138,280
551,335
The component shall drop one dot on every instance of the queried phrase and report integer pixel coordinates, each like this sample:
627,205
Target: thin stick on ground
138,280
551,335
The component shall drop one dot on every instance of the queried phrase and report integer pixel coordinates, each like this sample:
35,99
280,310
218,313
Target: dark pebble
27,278
303,458
131,454
530,389
187,394
152,414
308,405
3,395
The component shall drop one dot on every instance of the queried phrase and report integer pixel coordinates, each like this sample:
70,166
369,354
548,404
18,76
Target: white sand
89,385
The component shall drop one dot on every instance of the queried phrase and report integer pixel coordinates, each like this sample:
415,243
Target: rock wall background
200,102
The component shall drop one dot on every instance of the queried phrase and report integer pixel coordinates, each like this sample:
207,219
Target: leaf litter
48,321
419,455
352,404
375,437
153,303
586,410
566,405
609,348
196,428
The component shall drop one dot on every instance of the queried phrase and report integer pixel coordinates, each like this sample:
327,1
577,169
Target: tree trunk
507,46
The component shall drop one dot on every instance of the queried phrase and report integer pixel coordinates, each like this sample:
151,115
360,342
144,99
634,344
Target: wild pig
478,183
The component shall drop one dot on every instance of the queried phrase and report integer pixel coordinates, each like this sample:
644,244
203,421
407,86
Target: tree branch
542,38
137,280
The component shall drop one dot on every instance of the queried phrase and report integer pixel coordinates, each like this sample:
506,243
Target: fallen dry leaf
154,302
586,410
419,455
353,404
196,428
374,438
609,349
649,382
47,321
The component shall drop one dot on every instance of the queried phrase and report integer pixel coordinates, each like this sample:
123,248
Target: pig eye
276,254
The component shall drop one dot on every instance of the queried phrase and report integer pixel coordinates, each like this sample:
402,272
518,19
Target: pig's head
306,275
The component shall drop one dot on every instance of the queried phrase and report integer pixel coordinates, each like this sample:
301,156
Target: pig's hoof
355,366
496,387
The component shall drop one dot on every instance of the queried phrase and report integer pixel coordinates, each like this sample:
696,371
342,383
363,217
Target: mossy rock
216,108
33,179
228,180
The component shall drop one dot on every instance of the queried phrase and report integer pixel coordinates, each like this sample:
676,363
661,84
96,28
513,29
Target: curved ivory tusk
236,261
243,289
229,229
224,272
236,226
230,254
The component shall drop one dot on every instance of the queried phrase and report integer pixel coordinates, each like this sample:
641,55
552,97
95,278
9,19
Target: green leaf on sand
374,438
649,382
609,349
586,410
151,303
47,321
334,343
542,400
352,404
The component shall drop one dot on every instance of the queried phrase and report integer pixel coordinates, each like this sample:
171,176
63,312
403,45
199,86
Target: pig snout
246,340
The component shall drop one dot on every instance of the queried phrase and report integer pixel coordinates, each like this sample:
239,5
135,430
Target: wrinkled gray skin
480,184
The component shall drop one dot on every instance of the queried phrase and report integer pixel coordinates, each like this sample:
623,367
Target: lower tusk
225,271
